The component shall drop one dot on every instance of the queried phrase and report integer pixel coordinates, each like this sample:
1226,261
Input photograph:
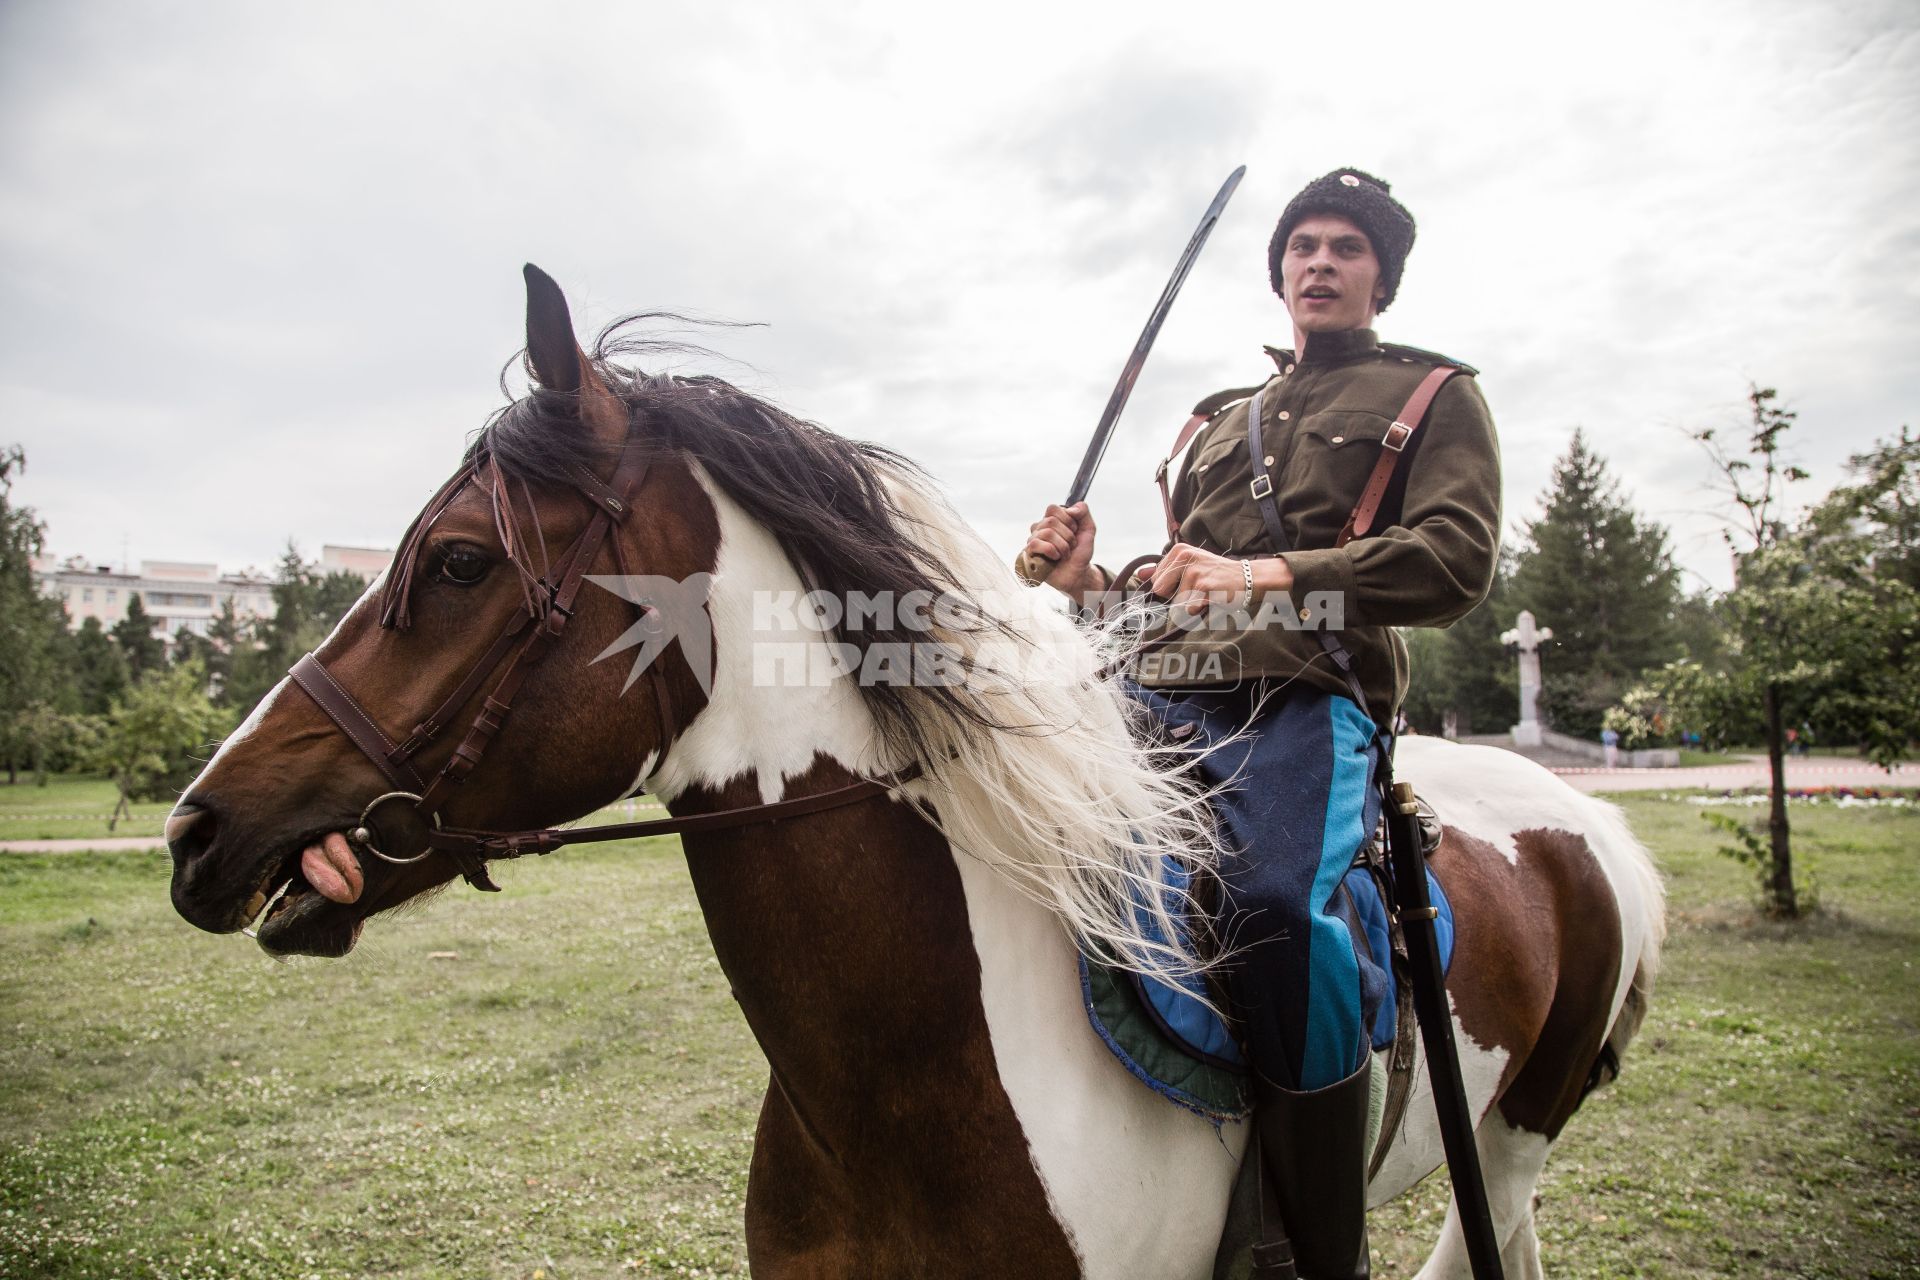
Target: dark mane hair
824,498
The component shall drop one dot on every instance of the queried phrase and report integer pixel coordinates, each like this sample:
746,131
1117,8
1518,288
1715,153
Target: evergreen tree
1701,630
143,650
191,647
99,668
1604,579
1464,670
226,635
238,670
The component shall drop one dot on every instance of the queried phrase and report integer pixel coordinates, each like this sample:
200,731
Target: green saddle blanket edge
1144,1049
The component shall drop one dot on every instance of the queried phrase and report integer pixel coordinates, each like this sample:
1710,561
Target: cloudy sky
260,263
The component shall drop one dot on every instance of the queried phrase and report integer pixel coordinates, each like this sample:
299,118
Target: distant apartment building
178,593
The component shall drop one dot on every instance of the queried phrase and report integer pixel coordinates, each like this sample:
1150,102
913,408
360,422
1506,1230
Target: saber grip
1032,568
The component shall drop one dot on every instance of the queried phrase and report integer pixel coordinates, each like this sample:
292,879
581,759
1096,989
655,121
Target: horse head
471,620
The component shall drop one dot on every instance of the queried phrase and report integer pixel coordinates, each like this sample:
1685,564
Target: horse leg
1511,1161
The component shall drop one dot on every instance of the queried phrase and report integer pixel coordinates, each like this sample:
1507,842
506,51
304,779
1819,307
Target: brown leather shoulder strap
1203,413
1194,423
1392,446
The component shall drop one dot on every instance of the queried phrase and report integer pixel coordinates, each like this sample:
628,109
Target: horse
903,939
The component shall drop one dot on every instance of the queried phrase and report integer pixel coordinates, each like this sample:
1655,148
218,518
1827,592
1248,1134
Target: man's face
1331,275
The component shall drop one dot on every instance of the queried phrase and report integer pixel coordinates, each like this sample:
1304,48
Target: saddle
1171,1041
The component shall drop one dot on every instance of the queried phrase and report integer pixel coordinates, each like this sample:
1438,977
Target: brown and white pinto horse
938,1105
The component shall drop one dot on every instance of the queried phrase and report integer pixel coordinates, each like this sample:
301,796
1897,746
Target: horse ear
560,365
551,346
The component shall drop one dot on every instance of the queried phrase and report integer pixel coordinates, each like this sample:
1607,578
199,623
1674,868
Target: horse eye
463,566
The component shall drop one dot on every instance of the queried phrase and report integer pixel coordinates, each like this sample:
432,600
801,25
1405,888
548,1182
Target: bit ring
363,834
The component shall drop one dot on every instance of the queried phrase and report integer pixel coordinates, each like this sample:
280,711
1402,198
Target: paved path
1813,771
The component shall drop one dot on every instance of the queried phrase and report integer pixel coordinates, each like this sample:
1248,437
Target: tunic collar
1331,348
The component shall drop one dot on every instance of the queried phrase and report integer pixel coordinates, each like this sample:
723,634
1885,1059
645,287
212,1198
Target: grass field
1692,759
555,1082
71,808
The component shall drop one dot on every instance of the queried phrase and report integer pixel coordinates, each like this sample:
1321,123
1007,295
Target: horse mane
828,500
1034,764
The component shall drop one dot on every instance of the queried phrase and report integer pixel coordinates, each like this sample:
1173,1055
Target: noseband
403,825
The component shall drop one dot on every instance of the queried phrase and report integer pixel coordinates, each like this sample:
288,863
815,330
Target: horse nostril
188,832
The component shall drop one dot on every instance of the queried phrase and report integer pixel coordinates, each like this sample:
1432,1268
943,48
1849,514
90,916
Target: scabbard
1414,907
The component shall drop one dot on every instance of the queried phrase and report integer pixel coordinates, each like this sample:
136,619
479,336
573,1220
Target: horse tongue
332,870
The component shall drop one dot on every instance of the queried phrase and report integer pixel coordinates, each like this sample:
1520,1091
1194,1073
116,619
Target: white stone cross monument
1526,639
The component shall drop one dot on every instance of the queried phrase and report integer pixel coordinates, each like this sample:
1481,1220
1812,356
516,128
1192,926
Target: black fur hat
1355,194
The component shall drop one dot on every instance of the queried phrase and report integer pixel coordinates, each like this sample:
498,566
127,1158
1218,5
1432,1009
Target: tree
1700,631
1822,622
1869,530
147,742
1463,670
31,626
307,605
189,646
52,741
227,637
1604,579
1863,539
143,650
1768,652
99,668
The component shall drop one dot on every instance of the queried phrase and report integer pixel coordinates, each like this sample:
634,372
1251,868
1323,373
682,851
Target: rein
403,825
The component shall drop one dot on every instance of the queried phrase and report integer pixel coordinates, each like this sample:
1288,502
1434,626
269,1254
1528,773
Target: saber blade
1097,448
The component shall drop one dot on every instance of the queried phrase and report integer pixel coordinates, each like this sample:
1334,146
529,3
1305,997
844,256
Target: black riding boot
1315,1145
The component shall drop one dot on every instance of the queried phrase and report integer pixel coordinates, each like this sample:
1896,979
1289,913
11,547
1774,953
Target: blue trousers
1298,803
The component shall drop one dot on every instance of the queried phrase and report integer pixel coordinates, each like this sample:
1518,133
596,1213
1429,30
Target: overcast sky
260,263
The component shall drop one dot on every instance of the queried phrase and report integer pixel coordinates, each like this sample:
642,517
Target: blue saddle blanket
1170,1040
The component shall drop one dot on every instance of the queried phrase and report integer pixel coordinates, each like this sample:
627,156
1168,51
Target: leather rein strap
403,825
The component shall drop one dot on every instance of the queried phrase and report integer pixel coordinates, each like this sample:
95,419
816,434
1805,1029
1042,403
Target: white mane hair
1043,780
1068,802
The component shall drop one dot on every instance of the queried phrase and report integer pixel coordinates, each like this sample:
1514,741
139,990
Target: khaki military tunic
1431,553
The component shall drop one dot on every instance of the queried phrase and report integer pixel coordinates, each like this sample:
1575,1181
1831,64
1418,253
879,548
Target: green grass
1766,1119
1692,759
76,807
574,1092
71,807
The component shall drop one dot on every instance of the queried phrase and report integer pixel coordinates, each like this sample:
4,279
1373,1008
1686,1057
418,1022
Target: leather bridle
403,825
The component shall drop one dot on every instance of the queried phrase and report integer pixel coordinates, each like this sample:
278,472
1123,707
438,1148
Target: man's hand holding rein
1192,579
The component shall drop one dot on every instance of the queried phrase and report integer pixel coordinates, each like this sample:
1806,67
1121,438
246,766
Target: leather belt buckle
1262,486
1396,437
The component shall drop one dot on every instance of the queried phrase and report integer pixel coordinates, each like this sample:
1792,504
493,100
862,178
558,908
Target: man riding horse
1342,497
